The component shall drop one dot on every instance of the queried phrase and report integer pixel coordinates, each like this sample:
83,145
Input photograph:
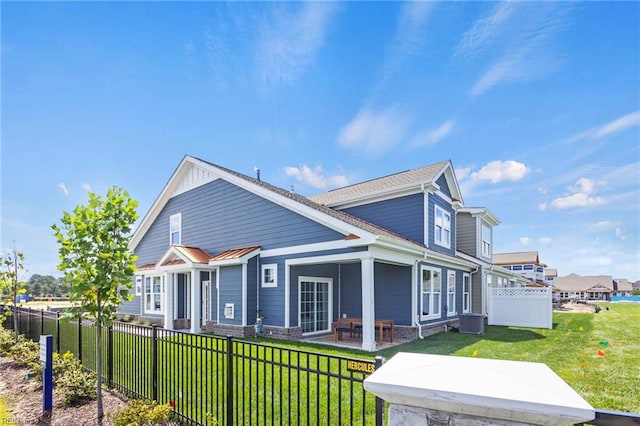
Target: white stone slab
508,390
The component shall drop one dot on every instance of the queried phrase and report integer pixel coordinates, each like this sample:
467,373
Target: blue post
46,359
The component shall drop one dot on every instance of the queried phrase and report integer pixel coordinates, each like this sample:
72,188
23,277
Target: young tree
10,285
97,262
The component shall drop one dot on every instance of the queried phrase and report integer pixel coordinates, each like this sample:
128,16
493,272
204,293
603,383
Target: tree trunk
15,318
99,365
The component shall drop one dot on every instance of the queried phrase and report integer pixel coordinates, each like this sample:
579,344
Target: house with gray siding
218,249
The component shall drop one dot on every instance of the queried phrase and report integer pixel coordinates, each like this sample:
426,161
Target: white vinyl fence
521,307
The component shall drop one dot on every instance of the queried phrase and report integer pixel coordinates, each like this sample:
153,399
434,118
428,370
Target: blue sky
536,104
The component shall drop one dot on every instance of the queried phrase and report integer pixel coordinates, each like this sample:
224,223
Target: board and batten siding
435,200
467,234
476,292
219,215
230,292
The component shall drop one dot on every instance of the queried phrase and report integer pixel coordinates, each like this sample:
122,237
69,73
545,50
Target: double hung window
431,288
154,294
442,227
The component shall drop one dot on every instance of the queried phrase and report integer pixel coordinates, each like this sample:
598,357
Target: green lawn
5,417
610,382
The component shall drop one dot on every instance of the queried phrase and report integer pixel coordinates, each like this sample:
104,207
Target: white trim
151,277
274,268
470,298
218,296
442,241
244,294
432,297
414,292
426,219
309,248
287,296
368,304
169,314
196,301
454,312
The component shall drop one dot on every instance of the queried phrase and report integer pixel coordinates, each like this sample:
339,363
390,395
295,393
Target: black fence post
110,356
42,322
80,339
229,381
379,401
29,323
154,362
58,332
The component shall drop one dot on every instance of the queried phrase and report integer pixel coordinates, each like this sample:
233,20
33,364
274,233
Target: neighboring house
550,276
621,287
218,249
525,263
636,285
576,287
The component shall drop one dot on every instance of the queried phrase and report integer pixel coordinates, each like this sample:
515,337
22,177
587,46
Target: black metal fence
216,380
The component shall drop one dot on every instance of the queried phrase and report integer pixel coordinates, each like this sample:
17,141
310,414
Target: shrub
141,413
74,383
27,352
6,341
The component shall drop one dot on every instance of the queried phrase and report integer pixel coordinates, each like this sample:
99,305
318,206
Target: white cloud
486,29
64,188
601,261
374,132
410,35
615,126
86,187
524,241
603,225
499,171
316,177
433,136
581,197
545,240
290,41
462,173
542,206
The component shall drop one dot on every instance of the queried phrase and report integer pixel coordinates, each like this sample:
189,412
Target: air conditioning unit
472,323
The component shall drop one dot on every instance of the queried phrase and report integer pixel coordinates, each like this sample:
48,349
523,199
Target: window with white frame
466,293
175,229
486,241
154,294
442,227
431,288
451,293
270,275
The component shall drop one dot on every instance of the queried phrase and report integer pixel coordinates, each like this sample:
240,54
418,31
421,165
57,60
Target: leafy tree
45,285
97,262
12,266
635,292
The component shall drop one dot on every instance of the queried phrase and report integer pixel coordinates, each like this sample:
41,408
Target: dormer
475,232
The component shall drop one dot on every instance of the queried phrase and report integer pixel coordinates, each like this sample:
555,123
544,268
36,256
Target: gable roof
517,258
482,212
622,284
550,272
193,172
408,182
575,282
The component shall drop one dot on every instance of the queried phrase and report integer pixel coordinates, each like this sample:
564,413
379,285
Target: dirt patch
24,395
576,307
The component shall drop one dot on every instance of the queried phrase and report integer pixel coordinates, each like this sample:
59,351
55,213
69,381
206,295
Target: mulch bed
23,393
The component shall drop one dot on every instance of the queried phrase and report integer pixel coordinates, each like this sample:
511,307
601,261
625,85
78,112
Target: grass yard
610,381
4,412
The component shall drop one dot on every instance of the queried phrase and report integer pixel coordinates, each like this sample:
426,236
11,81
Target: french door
314,295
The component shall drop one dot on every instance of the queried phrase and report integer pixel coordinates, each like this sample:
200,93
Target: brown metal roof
147,267
194,254
235,253
517,258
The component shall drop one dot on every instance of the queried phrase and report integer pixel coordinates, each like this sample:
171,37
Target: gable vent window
175,229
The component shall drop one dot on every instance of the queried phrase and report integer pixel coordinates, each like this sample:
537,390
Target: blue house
218,249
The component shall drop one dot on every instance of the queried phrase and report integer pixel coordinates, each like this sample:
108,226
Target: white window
154,294
270,275
442,227
486,241
451,293
431,288
466,293
175,229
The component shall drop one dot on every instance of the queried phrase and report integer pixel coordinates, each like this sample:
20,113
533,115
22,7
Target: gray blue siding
403,215
252,290
219,215
132,307
392,293
467,234
444,187
231,292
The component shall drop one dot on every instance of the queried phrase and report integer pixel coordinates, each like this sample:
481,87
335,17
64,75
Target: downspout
417,321
339,291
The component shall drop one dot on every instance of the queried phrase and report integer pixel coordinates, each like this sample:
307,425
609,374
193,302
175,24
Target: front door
315,304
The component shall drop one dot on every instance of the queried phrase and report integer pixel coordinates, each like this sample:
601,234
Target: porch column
368,306
168,301
195,302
